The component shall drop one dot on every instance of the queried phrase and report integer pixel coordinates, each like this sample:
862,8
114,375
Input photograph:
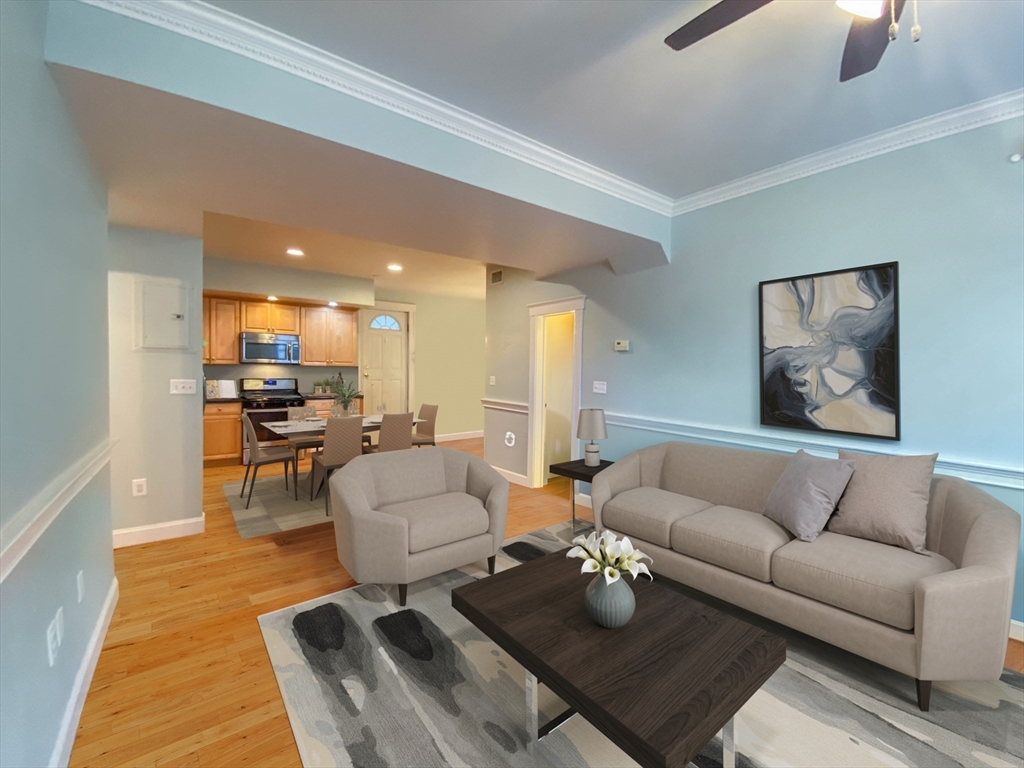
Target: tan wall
558,338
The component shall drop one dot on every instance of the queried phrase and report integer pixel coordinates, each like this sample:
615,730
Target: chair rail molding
993,110
505,405
24,529
239,35
982,474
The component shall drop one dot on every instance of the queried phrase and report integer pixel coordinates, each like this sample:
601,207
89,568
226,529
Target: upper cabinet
220,331
269,317
329,336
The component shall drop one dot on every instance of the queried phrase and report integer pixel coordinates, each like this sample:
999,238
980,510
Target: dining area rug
273,509
366,682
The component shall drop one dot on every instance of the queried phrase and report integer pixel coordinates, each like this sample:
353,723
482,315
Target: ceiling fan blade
866,43
718,16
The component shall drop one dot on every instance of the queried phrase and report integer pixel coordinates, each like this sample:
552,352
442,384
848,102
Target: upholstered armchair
402,516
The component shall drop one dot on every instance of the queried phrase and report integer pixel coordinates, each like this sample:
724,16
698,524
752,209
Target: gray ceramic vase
611,605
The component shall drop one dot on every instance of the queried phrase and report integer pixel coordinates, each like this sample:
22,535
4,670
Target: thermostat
621,345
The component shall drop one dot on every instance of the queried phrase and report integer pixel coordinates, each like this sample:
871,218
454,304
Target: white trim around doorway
534,446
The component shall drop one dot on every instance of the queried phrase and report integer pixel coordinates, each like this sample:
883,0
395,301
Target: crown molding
208,24
966,118
247,38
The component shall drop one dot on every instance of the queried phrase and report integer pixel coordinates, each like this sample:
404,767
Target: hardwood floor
184,678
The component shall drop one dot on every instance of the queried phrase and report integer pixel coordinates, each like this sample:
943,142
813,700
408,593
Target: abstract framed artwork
830,352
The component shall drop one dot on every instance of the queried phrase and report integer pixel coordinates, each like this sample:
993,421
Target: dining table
316,426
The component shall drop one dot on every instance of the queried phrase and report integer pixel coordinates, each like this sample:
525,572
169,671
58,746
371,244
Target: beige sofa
696,510
402,516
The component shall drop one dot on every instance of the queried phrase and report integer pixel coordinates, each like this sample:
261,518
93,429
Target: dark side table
577,470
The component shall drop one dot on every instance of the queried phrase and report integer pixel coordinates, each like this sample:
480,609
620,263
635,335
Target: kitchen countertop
223,400
325,397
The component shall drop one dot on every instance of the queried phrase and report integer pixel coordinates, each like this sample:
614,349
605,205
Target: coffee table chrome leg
532,726
729,744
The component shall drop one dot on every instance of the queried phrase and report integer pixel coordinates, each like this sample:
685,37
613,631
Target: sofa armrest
484,482
623,475
961,623
373,546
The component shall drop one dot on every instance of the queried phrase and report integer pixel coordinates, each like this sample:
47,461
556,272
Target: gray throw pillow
806,494
886,500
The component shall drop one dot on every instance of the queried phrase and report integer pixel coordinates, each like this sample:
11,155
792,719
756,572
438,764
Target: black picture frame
884,387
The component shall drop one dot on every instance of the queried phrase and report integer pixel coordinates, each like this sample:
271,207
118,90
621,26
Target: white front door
385,375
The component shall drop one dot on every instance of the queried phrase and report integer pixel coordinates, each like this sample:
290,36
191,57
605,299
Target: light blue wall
95,40
157,436
950,211
53,325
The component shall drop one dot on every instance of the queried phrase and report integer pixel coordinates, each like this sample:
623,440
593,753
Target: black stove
267,394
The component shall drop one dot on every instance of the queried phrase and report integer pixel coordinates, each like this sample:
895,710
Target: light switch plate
621,345
139,487
600,387
493,380
183,386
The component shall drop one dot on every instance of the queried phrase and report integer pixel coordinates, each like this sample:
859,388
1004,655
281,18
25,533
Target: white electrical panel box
621,345
161,313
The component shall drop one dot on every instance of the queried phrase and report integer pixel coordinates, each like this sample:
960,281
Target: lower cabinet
222,431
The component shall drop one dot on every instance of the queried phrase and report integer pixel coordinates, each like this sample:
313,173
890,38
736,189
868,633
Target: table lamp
591,427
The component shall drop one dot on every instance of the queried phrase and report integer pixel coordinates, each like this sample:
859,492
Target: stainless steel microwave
278,348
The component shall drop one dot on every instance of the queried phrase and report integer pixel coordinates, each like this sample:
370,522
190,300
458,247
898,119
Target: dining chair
395,433
424,434
301,442
343,441
259,457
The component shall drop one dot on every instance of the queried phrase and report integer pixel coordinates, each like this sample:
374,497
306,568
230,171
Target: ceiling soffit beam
238,35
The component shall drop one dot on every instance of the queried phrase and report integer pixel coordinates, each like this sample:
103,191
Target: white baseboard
1017,630
583,500
458,436
61,754
513,477
144,534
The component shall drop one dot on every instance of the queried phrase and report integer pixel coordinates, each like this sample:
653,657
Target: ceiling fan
870,32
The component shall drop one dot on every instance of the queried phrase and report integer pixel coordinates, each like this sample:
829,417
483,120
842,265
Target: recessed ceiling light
295,252
332,303
271,298
395,267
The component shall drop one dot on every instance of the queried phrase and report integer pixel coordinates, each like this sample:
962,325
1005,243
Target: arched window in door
385,323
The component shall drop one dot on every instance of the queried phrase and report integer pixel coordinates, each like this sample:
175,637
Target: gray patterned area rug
366,683
273,509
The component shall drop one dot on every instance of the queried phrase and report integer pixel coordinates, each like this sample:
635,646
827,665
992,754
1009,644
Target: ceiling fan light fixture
867,9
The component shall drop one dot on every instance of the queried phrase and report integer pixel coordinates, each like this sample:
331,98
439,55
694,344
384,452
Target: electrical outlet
80,583
183,386
493,381
139,487
600,387
59,618
51,641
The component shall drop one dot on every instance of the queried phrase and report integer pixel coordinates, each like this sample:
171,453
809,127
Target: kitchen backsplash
305,374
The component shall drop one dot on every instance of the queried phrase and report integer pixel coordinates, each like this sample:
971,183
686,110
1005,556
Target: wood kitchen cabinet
269,317
222,431
220,331
329,336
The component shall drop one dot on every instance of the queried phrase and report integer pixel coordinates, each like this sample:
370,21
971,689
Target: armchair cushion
438,520
873,580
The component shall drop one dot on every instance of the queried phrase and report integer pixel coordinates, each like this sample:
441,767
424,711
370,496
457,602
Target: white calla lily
626,547
578,551
611,575
590,566
643,569
608,555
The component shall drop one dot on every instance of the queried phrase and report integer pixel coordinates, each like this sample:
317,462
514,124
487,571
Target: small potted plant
608,599
344,393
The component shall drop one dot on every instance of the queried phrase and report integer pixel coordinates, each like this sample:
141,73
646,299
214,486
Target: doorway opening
556,351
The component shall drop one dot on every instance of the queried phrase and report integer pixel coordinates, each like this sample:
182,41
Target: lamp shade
591,425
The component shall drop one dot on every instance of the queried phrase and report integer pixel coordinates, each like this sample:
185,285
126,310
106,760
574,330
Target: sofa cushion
864,577
886,500
807,493
741,541
648,513
438,520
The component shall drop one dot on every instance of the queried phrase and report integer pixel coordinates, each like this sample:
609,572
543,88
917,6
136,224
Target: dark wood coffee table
660,688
